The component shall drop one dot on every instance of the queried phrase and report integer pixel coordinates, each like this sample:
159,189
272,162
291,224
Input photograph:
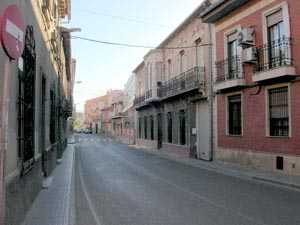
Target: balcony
274,60
139,101
229,74
192,79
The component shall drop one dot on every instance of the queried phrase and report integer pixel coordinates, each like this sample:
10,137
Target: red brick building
257,52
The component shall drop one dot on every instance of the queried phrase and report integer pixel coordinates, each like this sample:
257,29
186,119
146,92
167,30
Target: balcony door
232,54
277,46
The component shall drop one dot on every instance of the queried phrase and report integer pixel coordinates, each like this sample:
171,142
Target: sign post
12,29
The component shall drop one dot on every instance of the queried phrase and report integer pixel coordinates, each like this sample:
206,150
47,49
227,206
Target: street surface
117,185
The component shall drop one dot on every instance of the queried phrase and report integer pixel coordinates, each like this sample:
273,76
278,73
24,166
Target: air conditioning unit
246,37
249,55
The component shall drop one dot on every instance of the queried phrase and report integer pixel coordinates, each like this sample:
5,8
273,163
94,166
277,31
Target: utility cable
135,45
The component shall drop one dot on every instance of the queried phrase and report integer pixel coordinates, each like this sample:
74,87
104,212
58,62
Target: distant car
87,131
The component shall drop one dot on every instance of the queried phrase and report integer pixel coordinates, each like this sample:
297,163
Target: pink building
92,112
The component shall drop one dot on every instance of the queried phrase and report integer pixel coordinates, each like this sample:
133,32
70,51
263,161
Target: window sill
279,137
234,135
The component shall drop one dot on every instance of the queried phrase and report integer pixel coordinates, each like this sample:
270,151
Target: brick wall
253,99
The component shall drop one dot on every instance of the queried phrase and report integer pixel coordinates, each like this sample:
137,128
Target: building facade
92,111
257,82
39,104
123,114
173,94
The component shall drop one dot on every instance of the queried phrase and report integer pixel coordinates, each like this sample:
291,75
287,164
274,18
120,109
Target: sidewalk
53,206
285,181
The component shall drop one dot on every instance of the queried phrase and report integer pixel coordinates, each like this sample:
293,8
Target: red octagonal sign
12,29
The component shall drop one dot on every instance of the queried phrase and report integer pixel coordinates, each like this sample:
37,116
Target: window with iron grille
145,127
235,115
151,128
170,127
279,112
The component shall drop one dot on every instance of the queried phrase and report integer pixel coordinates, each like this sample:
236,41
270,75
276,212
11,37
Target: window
170,127
151,128
182,127
234,115
279,112
145,127
181,60
232,54
199,53
277,44
169,69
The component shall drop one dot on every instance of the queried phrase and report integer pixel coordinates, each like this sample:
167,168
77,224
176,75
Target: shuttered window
279,112
274,18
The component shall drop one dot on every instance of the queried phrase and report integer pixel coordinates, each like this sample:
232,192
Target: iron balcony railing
148,94
186,81
139,100
275,54
229,69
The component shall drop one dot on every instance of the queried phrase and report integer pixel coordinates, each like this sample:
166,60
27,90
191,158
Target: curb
277,183
225,171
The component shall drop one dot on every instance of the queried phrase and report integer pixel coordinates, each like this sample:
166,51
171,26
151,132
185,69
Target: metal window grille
279,112
235,115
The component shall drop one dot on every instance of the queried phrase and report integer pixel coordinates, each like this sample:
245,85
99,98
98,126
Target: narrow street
116,184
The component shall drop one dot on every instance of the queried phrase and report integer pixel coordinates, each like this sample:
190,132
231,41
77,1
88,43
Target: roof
138,67
193,15
220,9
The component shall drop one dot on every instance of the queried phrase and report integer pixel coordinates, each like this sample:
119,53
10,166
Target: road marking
200,197
86,194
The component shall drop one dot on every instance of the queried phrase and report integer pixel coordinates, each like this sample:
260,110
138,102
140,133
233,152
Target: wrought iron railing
186,81
149,94
139,100
275,54
229,69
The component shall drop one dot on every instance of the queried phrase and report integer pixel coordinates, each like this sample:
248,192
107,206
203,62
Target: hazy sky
102,67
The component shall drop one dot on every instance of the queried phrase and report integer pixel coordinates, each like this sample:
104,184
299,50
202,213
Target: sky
102,67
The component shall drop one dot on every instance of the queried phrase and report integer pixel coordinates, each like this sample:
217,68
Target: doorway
42,133
159,131
203,131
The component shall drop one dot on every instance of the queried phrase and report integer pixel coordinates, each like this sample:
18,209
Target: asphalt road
117,185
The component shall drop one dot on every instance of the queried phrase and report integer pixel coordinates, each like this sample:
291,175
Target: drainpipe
211,94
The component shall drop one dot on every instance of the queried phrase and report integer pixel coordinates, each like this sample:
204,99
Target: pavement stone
282,180
53,206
